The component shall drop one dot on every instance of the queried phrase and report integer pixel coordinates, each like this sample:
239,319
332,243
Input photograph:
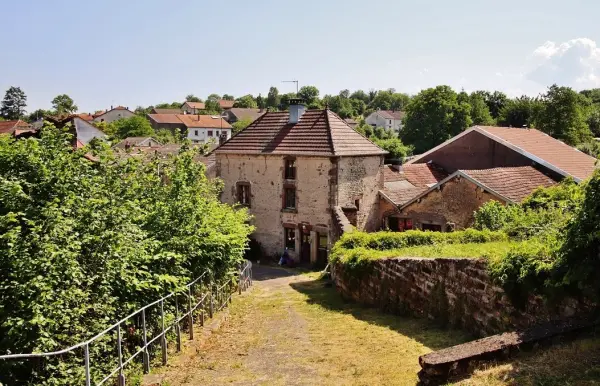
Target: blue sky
134,52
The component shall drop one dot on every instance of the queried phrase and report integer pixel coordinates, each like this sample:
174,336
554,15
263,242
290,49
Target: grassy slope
574,363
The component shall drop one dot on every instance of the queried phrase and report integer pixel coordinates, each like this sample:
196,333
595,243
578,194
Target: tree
519,112
273,99
395,148
192,98
241,125
310,94
593,95
228,97
213,97
260,101
64,104
360,95
135,126
593,120
37,114
495,101
247,101
480,113
345,94
563,115
284,103
434,116
14,103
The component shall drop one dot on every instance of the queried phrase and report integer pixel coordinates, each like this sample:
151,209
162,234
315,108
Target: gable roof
401,186
252,114
391,114
225,104
195,105
165,118
317,133
86,131
99,114
535,145
137,141
509,184
166,111
209,121
10,126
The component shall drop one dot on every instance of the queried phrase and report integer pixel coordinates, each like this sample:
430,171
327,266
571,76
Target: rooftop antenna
291,81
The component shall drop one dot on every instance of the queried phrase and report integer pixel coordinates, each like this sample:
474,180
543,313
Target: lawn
487,250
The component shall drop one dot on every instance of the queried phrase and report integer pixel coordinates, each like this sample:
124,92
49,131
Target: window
322,240
209,133
289,199
390,121
217,133
290,238
290,169
432,227
357,204
243,193
196,133
396,224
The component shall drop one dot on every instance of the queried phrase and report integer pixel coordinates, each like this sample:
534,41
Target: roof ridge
329,136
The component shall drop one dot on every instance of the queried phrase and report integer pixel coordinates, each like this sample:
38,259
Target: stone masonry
455,291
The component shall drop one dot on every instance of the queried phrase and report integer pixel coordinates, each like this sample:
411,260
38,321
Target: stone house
113,114
439,190
294,171
388,119
169,122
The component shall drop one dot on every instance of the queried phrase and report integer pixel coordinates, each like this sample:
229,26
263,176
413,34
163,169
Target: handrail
244,281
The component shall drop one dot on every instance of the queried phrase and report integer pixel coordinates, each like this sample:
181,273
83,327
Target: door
322,250
305,247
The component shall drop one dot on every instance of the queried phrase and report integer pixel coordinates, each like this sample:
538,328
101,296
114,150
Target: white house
204,128
387,119
113,114
192,107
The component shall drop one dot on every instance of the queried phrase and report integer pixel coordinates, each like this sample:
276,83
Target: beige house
294,170
192,107
113,114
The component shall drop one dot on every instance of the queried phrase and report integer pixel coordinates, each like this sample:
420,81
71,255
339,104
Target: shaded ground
292,329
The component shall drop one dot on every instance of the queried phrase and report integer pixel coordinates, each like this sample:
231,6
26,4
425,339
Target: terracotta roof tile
195,105
11,126
193,120
412,180
514,183
165,118
318,132
225,104
251,114
166,111
391,114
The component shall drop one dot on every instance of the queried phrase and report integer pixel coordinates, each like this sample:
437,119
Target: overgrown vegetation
84,243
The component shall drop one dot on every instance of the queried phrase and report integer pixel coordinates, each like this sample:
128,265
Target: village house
166,111
16,127
388,119
238,114
439,190
206,128
169,122
225,104
192,108
113,114
296,171
132,142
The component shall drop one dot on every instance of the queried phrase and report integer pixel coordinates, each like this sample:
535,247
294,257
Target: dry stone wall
454,291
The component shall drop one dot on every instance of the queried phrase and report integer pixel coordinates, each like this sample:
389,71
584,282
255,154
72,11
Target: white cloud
575,63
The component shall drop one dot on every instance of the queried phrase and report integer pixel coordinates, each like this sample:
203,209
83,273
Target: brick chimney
297,108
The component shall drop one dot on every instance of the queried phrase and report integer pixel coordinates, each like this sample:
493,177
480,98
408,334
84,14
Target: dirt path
292,329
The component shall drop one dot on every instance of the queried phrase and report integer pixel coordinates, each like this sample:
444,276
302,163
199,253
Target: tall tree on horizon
273,98
192,98
64,104
14,103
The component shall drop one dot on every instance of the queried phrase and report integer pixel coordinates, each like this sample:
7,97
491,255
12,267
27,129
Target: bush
84,243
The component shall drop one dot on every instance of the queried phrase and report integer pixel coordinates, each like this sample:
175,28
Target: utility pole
291,81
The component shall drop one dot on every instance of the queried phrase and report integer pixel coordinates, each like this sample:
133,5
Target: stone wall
454,291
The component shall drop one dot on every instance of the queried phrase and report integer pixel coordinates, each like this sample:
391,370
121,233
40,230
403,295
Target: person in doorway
285,260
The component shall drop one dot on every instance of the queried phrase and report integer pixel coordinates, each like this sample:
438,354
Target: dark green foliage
83,244
13,104
519,112
135,126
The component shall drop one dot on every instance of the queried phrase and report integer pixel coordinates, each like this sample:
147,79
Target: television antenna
291,81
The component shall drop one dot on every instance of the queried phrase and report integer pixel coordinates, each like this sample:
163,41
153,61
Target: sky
144,52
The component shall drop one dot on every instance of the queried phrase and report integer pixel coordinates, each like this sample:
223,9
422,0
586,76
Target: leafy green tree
593,120
261,102
241,125
228,97
389,100
64,104
495,101
135,126
284,103
480,113
434,116
166,136
341,106
37,114
344,94
593,95
142,111
310,94
247,101
273,99
519,112
590,148
172,105
13,104
213,97
192,98
563,115
360,95
395,148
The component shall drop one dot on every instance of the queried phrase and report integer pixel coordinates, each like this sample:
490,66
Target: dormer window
290,169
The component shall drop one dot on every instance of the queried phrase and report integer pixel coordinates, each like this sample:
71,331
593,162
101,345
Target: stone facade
321,184
451,207
455,291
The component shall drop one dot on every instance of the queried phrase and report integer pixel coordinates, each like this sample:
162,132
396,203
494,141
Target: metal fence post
86,355
177,328
121,376
163,339
145,354
190,313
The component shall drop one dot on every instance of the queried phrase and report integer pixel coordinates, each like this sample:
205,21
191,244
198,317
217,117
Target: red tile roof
10,126
86,117
195,105
391,114
514,183
209,121
412,180
166,111
318,133
166,118
543,146
225,104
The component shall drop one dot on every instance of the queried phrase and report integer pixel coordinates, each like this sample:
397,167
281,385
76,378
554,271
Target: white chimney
297,108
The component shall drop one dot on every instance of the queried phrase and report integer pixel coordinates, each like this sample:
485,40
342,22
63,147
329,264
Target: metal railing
197,302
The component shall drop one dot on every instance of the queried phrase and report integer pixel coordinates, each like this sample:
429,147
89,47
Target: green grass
473,250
